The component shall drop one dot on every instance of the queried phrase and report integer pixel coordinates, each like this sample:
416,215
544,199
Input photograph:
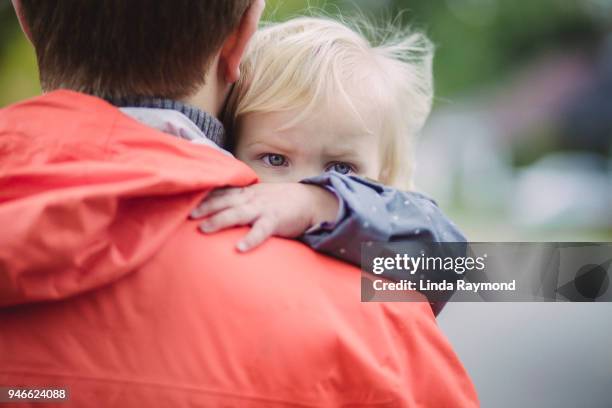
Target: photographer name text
460,285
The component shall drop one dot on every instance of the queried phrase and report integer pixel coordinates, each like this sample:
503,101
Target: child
318,104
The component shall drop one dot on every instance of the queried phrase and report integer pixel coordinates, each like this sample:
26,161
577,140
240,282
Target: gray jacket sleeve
371,212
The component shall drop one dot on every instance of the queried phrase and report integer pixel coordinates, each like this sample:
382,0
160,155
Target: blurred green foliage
18,72
478,41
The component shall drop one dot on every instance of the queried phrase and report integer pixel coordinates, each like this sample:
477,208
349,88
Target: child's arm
372,212
336,224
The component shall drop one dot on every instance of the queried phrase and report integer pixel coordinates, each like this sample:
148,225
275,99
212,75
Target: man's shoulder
70,126
62,99
55,120
277,254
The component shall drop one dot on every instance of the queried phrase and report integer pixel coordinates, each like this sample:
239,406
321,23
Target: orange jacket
107,289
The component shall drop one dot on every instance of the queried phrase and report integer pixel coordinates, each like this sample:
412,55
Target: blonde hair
307,61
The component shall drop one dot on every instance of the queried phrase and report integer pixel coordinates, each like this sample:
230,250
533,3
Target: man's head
116,48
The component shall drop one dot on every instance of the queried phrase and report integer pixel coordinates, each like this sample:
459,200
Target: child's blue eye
274,160
341,168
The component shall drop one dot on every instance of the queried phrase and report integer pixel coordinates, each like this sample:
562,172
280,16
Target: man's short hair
119,48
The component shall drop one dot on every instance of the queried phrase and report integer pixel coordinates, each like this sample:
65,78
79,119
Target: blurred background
518,148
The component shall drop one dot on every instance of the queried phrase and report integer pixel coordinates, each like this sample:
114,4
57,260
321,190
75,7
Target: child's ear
235,45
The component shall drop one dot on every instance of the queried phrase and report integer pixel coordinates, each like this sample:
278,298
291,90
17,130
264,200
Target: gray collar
173,123
210,126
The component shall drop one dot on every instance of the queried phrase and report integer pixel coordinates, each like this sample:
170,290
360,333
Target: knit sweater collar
208,124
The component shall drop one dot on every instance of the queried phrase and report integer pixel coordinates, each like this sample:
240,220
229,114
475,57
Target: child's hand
282,209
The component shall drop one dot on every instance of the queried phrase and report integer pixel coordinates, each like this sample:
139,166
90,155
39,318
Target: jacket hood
88,194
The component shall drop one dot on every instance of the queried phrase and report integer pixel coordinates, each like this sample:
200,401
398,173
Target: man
108,290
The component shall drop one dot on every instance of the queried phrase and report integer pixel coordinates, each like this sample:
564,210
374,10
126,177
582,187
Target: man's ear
235,45
20,17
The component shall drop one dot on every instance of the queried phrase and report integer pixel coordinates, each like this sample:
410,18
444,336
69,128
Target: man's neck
212,95
206,99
